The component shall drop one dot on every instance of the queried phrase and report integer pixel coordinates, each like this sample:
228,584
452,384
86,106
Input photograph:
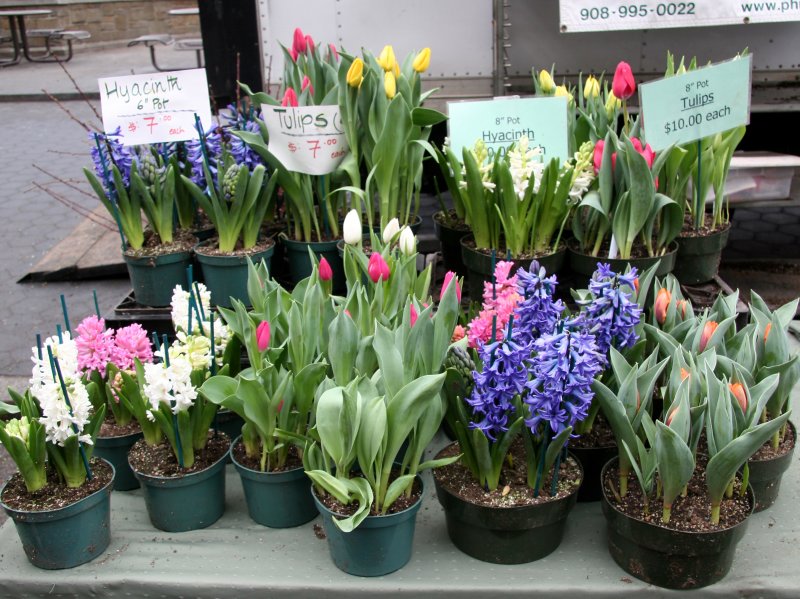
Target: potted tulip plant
129,185
60,492
365,485
277,392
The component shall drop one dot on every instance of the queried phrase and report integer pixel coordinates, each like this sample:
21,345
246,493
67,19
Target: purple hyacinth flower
112,153
537,314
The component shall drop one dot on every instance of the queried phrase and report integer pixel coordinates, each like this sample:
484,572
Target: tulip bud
684,374
307,84
389,84
546,82
355,74
591,88
334,53
636,285
663,299
672,415
598,154
289,98
649,155
450,276
391,229
681,69
352,231
386,59
739,393
293,53
612,105
299,41
309,43
562,91
767,329
408,242
422,61
325,271
262,335
413,314
458,334
623,84
708,330
280,406
377,269
680,307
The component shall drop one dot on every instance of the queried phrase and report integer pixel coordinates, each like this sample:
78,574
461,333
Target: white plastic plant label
157,107
306,139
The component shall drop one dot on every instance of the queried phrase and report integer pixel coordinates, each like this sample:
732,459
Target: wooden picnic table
19,36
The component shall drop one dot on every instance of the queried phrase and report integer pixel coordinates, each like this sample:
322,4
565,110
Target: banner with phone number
612,15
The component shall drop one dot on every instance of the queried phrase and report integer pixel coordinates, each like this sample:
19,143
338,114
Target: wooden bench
57,36
153,40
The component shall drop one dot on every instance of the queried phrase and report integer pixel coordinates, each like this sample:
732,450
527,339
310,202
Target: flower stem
715,514
745,479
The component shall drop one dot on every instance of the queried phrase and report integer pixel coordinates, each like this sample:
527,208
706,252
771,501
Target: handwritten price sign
308,139
156,107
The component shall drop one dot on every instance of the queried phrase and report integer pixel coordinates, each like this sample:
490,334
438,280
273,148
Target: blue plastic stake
59,333
96,305
39,346
54,363
66,314
494,281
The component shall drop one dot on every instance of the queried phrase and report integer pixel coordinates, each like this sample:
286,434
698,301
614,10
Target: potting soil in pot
160,461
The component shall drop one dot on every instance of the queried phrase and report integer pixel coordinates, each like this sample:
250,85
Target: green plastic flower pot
226,276
592,460
229,422
69,536
585,264
380,545
505,535
670,558
300,262
450,241
188,502
115,450
479,265
276,499
765,475
699,257
154,277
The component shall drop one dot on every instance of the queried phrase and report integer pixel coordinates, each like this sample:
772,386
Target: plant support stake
66,314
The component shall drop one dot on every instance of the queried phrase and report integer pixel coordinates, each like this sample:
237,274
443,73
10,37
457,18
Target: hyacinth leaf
29,457
554,448
614,411
675,464
346,491
722,467
619,365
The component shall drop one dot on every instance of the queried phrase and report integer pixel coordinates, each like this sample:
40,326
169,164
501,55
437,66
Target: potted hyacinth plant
703,168
180,462
507,500
516,205
372,422
102,355
59,499
236,201
284,344
130,184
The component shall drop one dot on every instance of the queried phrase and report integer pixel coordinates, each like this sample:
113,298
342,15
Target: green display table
238,558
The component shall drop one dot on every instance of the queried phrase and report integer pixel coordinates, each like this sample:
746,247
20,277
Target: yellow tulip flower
386,59
355,74
389,84
422,61
591,88
546,82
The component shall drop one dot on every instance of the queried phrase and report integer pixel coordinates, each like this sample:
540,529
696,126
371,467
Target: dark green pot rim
266,477
182,480
67,511
170,258
235,260
379,521
119,440
300,246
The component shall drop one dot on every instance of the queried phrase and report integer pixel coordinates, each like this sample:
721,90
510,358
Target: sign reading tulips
499,123
155,108
306,139
696,104
613,15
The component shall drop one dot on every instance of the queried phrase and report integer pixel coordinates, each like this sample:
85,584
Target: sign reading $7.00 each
610,15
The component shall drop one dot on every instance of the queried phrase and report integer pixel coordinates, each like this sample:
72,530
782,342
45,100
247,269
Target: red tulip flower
377,269
325,271
262,335
623,84
309,43
739,393
708,330
447,278
662,303
334,51
413,314
307,84
299,41
289,98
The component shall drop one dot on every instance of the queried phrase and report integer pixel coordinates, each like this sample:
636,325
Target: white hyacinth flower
171,386
60,420
65,350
